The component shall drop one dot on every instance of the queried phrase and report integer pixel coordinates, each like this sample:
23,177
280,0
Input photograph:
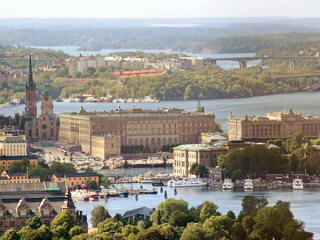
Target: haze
157,8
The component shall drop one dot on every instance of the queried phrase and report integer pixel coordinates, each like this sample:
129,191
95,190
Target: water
74,51
304,204
306,103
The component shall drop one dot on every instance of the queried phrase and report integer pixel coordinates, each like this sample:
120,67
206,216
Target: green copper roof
194,147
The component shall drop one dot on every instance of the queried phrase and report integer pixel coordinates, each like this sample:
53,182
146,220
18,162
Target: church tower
31,95
46,103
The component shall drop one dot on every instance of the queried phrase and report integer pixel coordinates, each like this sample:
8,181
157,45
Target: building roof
193,147
12,139
90,174
125,114
216,138
142,211
18,157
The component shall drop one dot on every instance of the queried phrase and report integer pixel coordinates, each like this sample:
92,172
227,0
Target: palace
149,128
44,126
274,125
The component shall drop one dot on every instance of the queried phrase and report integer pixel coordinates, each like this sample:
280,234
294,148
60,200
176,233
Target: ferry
227,184
187,182
297,184
248,184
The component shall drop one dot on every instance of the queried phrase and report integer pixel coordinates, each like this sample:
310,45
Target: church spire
30,83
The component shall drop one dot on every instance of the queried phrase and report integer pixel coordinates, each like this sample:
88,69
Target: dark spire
30,83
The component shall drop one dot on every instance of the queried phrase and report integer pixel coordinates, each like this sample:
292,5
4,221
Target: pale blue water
306,103
304,204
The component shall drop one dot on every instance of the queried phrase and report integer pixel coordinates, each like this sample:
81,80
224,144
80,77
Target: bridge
243,61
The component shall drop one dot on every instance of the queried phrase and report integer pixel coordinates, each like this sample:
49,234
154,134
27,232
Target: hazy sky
157,8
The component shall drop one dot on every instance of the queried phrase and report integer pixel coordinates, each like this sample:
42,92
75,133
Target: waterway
304,102
304,204
74,51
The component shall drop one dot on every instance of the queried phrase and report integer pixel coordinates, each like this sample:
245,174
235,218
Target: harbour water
304,204
305,103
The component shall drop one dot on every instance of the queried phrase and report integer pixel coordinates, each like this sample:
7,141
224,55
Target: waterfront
304,102
304,204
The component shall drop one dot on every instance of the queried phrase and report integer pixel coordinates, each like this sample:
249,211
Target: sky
157,8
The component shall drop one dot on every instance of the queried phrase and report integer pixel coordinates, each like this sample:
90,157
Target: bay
303,102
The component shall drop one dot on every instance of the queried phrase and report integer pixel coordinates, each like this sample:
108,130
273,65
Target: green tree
199,170
105,181
218,227
33,223
19,166
193,231
156,233
64,219
238,232
10,234
250,204
75,231
98,214
128,230
166,208
208,209
179,219
91,184
111,226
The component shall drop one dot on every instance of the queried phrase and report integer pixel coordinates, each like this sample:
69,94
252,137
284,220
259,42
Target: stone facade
6,178
274,125
7,161
186,155
105,146
152,128
13,145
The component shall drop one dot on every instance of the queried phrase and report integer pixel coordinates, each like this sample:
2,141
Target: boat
146,191
227,184
248,184
157,183
297,184
186,182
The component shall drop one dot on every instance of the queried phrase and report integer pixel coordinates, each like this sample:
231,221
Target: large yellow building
152,128
13,145
274,125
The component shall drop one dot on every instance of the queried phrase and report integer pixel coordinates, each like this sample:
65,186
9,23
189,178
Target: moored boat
297,184
248,184
187,182
227,184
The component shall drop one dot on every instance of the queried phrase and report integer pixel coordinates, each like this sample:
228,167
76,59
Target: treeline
204,84
296,155
174,220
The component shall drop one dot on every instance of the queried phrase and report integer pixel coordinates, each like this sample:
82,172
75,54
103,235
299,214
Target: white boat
297,184
227,184
248,184
186,182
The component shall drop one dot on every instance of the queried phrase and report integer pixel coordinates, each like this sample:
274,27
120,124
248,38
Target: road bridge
244,60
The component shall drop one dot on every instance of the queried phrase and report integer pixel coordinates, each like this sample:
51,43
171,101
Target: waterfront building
186,155
149,128
274,125
6,178
22,201
7,161
13,145
106,145
45,126
74,180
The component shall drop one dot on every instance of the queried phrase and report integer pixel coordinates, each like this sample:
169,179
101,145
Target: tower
31,95
46,103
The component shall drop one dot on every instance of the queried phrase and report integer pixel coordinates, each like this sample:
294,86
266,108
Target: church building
43,127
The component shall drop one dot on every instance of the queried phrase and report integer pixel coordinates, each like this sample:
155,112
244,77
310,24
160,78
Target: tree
98,214
199,170
179,219
128,230
19,166
238,232
111,226
250,204
34,222
208,209
156,233
217,227
10,234
91,184
75,231
166,208
193,231
105,181
64,219
57,167
88,170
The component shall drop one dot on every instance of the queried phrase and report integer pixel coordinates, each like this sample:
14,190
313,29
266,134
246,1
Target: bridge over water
244,60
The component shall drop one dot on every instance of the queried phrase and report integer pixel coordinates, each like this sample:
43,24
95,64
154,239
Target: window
23,213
